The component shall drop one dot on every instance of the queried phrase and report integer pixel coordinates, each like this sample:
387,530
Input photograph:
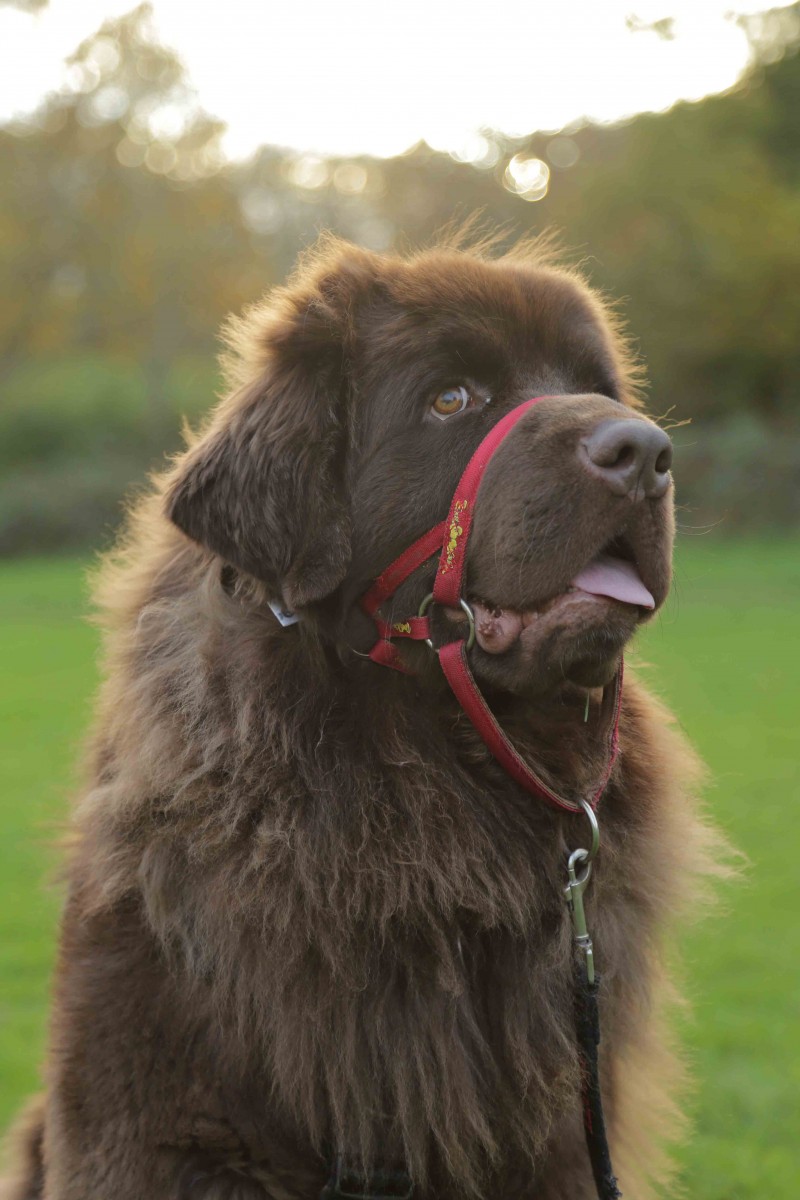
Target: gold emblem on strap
456,530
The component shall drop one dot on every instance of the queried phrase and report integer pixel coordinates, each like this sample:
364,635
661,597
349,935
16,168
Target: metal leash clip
577,886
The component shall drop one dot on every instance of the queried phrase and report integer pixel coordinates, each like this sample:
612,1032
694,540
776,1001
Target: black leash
587,1018
346,1184
587,1022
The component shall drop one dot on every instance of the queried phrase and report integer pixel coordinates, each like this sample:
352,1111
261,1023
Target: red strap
398,571
416,628
387,655
384,651
447,587
453,658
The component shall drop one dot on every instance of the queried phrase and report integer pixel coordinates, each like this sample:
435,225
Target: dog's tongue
498,628
615,578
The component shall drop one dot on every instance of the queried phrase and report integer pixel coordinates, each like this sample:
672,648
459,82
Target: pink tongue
613,577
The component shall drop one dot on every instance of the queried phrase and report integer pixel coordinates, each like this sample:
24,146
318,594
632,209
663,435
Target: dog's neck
563,734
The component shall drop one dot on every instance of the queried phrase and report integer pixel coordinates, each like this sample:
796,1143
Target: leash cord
587,1016
587,1022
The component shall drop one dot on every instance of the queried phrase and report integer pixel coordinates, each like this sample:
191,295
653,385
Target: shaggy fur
306,909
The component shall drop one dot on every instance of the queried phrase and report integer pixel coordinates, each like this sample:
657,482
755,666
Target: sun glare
359,78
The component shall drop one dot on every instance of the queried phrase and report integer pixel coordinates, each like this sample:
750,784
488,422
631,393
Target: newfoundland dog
316,937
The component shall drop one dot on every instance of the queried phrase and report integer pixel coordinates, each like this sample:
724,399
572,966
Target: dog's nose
631,457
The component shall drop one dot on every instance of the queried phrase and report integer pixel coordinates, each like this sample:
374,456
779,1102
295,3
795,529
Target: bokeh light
527,177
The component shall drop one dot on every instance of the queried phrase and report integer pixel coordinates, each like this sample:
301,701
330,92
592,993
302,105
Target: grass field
725,653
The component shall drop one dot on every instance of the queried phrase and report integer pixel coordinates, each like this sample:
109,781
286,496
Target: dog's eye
451,401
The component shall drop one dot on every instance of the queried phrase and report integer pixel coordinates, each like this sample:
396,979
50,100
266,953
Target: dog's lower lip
498,628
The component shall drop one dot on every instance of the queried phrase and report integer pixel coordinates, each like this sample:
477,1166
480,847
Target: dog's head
361,391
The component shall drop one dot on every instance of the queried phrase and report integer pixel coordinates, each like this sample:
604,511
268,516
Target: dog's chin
575,642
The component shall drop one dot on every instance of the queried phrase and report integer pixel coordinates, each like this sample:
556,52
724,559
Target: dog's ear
264,486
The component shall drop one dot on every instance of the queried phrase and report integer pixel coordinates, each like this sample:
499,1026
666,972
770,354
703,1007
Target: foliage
65,466
125,239
724,653
741,473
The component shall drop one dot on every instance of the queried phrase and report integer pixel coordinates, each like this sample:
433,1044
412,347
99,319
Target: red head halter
451,538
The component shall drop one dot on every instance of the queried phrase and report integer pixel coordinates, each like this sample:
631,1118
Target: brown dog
308,912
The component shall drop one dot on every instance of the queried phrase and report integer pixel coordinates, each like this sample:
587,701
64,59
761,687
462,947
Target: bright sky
375,76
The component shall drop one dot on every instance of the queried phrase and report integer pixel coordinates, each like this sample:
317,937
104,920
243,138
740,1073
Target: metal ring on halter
426,603
585,857
592,815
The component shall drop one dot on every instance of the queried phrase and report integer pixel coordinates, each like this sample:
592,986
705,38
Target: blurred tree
119,231
689,218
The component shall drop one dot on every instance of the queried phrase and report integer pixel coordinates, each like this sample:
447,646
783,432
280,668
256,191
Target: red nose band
451,539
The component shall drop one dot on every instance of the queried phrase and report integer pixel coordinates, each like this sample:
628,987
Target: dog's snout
631,457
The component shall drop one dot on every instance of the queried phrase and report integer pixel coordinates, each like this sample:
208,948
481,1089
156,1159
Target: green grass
725,654
47,653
